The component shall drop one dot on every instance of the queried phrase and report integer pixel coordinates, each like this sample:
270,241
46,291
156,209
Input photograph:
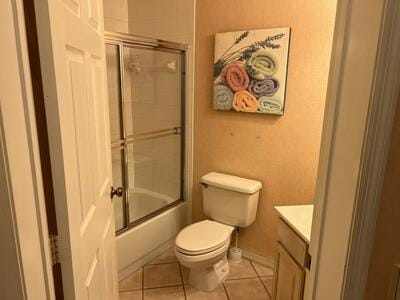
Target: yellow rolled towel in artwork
244,101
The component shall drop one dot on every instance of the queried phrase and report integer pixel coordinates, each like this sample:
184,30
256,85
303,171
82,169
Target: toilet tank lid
233,183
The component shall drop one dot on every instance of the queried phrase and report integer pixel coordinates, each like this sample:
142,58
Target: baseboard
145,259
262,260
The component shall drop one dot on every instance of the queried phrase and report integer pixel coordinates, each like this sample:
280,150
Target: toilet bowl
230,202
202,247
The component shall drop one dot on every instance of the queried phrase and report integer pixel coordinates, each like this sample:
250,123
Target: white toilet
229,202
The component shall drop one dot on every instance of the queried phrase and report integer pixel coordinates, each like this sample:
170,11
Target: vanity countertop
299,218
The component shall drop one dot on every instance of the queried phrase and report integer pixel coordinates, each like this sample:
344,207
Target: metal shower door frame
121,40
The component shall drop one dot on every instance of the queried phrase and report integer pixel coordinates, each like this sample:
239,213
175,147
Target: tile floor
165,279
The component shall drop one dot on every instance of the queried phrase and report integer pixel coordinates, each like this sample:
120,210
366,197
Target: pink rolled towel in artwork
235,76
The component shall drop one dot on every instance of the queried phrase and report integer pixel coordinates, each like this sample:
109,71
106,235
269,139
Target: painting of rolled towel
235,76
261,64
223,97
266,87
252,66
244,101
269,105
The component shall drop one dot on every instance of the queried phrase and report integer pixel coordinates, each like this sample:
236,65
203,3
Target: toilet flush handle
205,185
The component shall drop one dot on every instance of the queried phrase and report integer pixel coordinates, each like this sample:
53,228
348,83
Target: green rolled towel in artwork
270,105
261,64
223,97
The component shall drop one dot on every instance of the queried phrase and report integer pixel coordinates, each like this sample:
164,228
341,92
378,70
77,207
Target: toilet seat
201,252
203,237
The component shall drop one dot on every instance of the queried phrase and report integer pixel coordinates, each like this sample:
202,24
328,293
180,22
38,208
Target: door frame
359,225
352,166
23,204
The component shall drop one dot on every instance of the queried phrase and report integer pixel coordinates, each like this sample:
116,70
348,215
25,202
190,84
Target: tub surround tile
263,271
132,282
194,294
251,288
162,275
244,269
168,293
131,295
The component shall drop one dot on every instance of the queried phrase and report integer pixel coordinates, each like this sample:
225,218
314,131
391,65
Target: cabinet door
288,277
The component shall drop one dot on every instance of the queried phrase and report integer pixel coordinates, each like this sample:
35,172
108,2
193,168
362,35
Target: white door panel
73,62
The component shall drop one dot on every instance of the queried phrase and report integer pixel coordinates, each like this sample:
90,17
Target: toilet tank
230,199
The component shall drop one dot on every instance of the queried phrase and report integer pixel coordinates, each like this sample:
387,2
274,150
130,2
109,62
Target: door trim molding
383,103
22,158
350,242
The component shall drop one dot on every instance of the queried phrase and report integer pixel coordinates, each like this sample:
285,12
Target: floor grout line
183,284
143,283
162,287
226,291
259,277
233,279
262,282
254,268
130,290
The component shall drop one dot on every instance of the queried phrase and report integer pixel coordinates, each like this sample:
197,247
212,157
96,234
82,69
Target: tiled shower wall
171,20
157,106
116,17
153,103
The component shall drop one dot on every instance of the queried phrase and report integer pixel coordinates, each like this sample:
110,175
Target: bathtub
143,202
142,243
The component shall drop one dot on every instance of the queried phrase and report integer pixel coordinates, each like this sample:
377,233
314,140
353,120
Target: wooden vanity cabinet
290,264
288,277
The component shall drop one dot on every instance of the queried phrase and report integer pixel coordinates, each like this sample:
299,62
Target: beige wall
386,251
281,152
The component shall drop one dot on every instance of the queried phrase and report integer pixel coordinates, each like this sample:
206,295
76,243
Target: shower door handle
116,192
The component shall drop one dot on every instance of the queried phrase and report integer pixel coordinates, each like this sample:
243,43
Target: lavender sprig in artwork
242,54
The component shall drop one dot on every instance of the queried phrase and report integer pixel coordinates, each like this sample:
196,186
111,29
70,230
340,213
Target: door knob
116,192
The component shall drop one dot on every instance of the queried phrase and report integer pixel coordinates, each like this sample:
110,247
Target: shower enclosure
146,102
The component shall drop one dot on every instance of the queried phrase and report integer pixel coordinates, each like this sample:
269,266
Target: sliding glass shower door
146,97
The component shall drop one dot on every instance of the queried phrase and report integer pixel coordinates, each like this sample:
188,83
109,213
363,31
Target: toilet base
209,278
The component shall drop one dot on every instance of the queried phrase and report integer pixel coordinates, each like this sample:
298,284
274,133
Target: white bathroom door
72,51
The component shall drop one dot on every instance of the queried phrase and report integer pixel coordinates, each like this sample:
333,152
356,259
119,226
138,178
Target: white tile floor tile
165,279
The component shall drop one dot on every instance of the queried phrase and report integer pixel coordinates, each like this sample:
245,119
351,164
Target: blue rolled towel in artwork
270,105
223,97
266,87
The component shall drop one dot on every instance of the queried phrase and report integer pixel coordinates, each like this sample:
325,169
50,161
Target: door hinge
308,261
55,254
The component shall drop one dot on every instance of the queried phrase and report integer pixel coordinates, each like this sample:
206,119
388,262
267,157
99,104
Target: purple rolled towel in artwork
266,87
